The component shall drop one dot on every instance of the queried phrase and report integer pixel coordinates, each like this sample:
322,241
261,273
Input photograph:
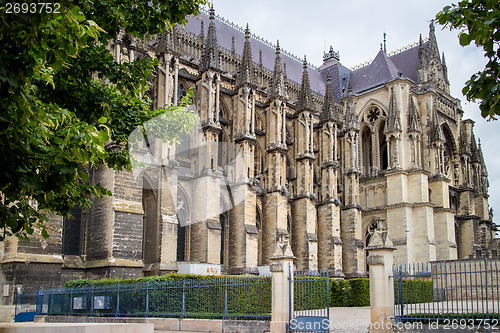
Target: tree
479,21
67,107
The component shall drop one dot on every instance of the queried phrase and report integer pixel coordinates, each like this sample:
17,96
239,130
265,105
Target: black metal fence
460,291
225,297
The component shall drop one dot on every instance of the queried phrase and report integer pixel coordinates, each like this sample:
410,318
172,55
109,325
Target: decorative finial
305,62
202,30
385,49
278,50
212,11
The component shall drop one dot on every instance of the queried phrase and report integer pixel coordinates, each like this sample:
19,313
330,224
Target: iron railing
464,291
309,301
25,305
225,297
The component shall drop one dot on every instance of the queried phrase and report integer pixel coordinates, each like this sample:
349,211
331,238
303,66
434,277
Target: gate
309,302
26,303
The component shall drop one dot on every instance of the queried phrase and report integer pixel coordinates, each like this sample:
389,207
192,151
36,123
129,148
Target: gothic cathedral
326,156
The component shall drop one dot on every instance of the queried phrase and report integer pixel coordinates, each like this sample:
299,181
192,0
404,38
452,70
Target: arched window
383,153
224,234
258,223
366,146
181,92
150,243
183,221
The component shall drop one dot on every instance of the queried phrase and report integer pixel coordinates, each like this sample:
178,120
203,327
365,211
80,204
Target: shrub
413,291
359,292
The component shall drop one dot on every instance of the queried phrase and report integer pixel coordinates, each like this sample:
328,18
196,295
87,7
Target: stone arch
380,196
258,161
224,113
450,149
259,123
365,110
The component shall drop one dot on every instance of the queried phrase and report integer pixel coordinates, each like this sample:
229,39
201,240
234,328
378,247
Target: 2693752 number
454,324
33,8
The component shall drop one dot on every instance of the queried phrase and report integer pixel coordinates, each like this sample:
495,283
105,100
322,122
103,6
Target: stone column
282,272
176,80
381,260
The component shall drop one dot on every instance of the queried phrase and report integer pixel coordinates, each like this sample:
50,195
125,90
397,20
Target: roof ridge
256,37
390,54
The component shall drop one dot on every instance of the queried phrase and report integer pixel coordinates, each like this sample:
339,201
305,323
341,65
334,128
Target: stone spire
246,75
233,48
278,88
330,109
393,121
210,58
202,31
413,117
350,119
305,96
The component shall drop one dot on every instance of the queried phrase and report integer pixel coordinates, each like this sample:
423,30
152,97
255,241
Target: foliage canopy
479,21
68,107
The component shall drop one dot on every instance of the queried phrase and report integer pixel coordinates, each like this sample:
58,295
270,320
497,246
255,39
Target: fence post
380,261
281,275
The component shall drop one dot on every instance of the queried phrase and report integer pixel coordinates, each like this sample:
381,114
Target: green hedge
350,293
105,281
343,293
413,291
204,295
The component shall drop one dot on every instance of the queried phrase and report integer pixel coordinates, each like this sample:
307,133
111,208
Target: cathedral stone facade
326,155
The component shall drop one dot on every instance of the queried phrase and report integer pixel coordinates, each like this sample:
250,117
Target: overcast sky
355,29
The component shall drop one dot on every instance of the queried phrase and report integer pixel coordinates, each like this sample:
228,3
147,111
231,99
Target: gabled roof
407,63
380,71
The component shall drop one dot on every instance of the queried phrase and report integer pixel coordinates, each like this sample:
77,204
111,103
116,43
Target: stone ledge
77,327
34,258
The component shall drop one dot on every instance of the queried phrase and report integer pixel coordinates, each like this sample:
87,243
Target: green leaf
103,136
464,39
103,120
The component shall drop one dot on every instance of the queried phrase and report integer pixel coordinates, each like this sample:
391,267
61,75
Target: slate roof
381,70
224,34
